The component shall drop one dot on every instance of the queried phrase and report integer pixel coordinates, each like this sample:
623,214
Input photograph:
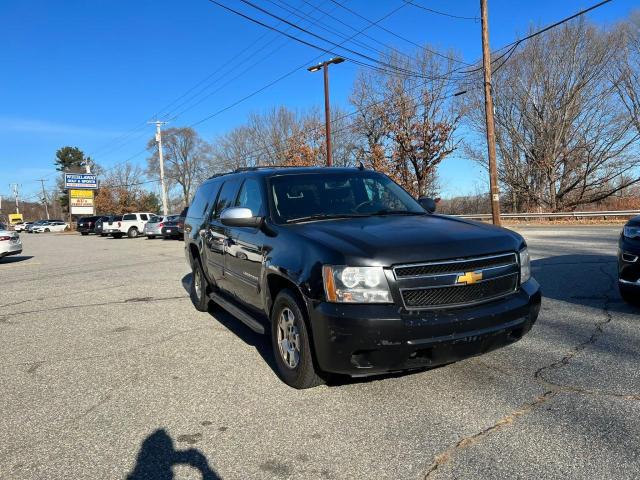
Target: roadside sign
81,202
80,180
15,218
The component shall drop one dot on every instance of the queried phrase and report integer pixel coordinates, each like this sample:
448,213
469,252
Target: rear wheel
132,233
198,289
151,237
84,234
292,342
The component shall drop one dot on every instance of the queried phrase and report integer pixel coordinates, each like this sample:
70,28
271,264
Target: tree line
567,113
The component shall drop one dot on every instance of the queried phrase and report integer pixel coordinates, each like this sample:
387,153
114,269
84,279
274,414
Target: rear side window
143,216
227,196
203,199
129,216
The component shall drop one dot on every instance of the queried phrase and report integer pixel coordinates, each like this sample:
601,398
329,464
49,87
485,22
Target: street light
327,113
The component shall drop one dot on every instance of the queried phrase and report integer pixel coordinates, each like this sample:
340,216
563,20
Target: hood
392,240
635,222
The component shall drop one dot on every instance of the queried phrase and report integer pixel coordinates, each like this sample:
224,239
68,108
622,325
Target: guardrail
575,215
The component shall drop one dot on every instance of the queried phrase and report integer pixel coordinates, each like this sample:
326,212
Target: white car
20,227
10,243
53,226
131,225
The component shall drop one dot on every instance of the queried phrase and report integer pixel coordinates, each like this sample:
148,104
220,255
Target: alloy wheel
288,338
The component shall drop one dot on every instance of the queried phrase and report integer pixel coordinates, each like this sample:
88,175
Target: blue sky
85,73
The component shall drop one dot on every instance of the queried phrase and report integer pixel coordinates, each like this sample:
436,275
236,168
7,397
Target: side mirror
239,217
429,204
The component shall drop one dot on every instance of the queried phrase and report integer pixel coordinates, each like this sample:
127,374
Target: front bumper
372,339
629,262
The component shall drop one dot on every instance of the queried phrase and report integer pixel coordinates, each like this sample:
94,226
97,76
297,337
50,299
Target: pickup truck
349,274
131,225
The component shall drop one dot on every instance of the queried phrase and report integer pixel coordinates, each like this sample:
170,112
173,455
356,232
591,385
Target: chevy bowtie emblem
469,278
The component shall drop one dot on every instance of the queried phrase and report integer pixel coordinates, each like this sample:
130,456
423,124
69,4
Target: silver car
10,243
153,228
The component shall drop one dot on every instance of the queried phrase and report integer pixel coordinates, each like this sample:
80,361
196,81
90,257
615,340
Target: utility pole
327,111
488,109
163,187
44,198
14,187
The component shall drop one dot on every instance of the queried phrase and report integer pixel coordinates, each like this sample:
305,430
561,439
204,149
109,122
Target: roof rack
263,167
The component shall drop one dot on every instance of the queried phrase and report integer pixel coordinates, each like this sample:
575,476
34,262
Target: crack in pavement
5,318
551,390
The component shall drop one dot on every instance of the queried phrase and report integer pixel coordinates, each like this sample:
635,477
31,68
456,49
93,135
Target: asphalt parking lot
107,371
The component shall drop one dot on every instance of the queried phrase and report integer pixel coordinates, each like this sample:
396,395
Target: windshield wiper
324,216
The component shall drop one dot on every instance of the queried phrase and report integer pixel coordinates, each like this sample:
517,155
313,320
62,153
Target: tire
629,294
117,235
295,359
151,237
84,234
198,288
46,230
133,232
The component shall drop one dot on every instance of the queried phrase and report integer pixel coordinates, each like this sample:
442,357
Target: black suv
629,261
87,225
349,274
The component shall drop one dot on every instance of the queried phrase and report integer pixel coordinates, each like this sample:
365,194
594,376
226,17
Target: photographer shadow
158,456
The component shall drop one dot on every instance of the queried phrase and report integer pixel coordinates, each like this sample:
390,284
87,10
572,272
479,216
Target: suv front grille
460,294
457,282
454,266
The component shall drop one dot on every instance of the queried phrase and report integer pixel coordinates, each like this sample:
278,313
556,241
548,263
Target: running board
240,314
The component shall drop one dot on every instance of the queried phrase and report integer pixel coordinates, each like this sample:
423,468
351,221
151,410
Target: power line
309,44
438,12
435,52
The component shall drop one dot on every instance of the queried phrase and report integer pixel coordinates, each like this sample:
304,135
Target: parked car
172,227
51,226
20,227
87,225
36,224
153,228
110,224
10,243
130,224
629,261
349,274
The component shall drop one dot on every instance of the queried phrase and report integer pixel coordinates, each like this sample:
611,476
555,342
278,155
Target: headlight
631,231
355,284
525,265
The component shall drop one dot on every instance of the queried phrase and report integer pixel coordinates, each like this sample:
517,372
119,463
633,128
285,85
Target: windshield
310,196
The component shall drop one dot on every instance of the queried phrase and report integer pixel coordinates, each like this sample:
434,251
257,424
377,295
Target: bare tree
561,138
186,157
407,123
626,72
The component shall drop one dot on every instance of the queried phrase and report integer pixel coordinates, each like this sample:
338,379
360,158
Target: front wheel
630,294
292,343
46,230
198,289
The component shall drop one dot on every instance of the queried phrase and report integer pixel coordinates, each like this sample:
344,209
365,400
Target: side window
202,200
129,216
143,216
251,196
227,196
